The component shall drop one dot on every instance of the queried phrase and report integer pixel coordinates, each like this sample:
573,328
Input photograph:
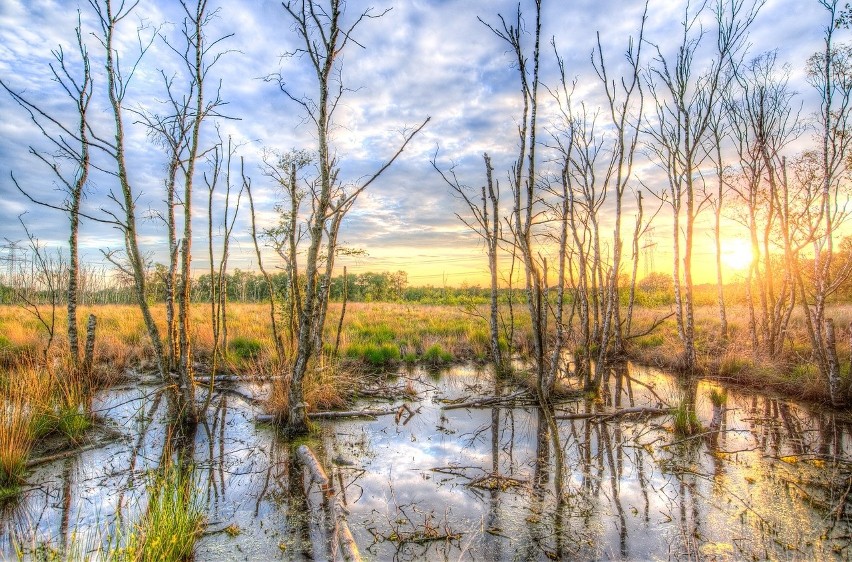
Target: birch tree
324,33
685,99
68,159
485,220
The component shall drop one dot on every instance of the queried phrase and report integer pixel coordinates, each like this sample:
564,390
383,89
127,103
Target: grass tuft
172,522
686,421
244,348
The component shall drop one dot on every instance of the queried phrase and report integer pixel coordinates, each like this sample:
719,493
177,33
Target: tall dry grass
790,372
384,334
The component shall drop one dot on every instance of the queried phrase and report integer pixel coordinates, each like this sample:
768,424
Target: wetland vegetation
571,409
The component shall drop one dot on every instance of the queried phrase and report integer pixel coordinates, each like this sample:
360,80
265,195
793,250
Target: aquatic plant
172,522
686,421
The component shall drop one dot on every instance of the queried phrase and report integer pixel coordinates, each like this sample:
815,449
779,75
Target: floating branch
487,401
347,542
267,418
606,416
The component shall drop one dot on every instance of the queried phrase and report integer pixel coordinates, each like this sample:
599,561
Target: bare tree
684,103
180,131
71,146
525,191
324,35
830,73
597,167
486,223
763,121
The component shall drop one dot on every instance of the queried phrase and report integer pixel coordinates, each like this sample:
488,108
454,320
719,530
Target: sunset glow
736,255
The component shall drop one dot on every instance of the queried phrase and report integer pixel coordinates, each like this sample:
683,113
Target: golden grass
384,334
16,440
791,372
327,387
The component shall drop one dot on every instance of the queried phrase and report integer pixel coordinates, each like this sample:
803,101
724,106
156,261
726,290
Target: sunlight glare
736,254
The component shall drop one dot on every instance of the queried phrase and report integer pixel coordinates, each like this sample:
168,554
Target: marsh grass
383,335
329,387
35,402
686,422
16,442
172,522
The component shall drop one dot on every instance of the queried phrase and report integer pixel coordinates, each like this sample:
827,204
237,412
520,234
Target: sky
423,58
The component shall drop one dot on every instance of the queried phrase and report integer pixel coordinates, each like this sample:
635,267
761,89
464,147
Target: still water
763,478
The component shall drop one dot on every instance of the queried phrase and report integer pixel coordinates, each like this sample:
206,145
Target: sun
736,254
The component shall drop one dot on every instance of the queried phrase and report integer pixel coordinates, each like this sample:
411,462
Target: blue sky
423,58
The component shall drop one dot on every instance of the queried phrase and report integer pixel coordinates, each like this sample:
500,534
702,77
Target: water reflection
761,478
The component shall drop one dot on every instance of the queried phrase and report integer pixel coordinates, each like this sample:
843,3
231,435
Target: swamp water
764,478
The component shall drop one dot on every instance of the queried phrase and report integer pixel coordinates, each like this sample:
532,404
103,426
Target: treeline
654,290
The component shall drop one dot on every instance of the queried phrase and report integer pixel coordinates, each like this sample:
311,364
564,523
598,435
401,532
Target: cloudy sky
423,58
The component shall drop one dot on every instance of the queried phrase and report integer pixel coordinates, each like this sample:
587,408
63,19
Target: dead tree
118,78
597,167
486,223
180,131
70,143
718,134
763,121
684,103
526,197
324,36
830,75
276,336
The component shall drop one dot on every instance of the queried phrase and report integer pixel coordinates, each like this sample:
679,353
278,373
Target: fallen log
313,465
268,418
486,401
351,414
605,416
348,546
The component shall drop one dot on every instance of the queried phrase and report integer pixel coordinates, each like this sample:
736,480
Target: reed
172,522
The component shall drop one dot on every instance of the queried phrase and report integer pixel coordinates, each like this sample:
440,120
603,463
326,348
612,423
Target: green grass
718,397
436,355
732,365
73,423
244,348
647,342
686,421
172,522
382,355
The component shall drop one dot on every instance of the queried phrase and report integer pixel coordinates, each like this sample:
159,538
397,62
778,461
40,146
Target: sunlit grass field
383,335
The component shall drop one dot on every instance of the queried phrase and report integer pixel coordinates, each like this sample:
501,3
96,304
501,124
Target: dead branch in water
487,401
606,416
266,418
348,545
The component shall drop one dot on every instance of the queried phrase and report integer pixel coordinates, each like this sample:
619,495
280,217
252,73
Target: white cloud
422,58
